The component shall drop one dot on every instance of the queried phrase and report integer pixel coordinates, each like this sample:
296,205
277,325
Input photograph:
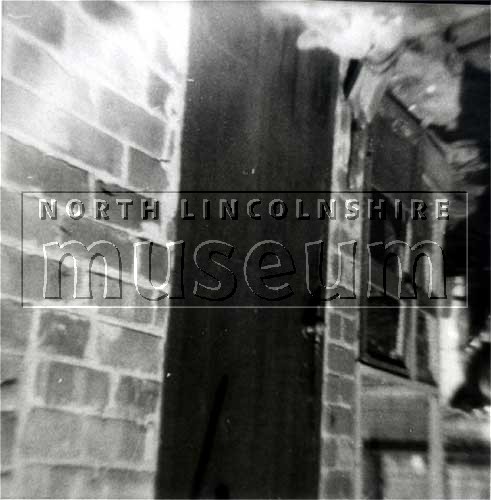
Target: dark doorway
241,402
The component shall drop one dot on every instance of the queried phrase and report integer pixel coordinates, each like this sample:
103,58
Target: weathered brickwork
93,98
338,454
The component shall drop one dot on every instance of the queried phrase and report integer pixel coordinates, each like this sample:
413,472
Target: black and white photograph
245,249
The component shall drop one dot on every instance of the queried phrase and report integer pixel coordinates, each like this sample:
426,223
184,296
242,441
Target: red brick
8,484
334,326
33,481
158,93
350,330
154,262
8,429
63,384
130,484
162,58
161,315
146,172
39,70
24,223
33,272
119,294
34,230
52,434
50,481
132,122
11,271
131,306
33,278
55,383
329,453
28,166
15,325
132,442
107,440
88,231
348,272
347,298
11,214
341,234
125,348
96,393
102,439
108,11
42,19
62,481
339,420
136,398
46,481
12,367
105,57
339,485
340,390
346,454
171,145
91,484
340,360
171,229
23,110
112,192
63,334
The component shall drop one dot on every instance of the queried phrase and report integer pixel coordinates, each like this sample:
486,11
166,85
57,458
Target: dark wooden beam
470,31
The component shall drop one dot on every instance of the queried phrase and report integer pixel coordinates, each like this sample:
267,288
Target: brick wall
92,100
342,317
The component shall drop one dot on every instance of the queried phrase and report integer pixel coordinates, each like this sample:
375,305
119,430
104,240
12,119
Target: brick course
26,112
132,123
63,334
341,339
83,110
15,326
146,172
29,167
44,20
